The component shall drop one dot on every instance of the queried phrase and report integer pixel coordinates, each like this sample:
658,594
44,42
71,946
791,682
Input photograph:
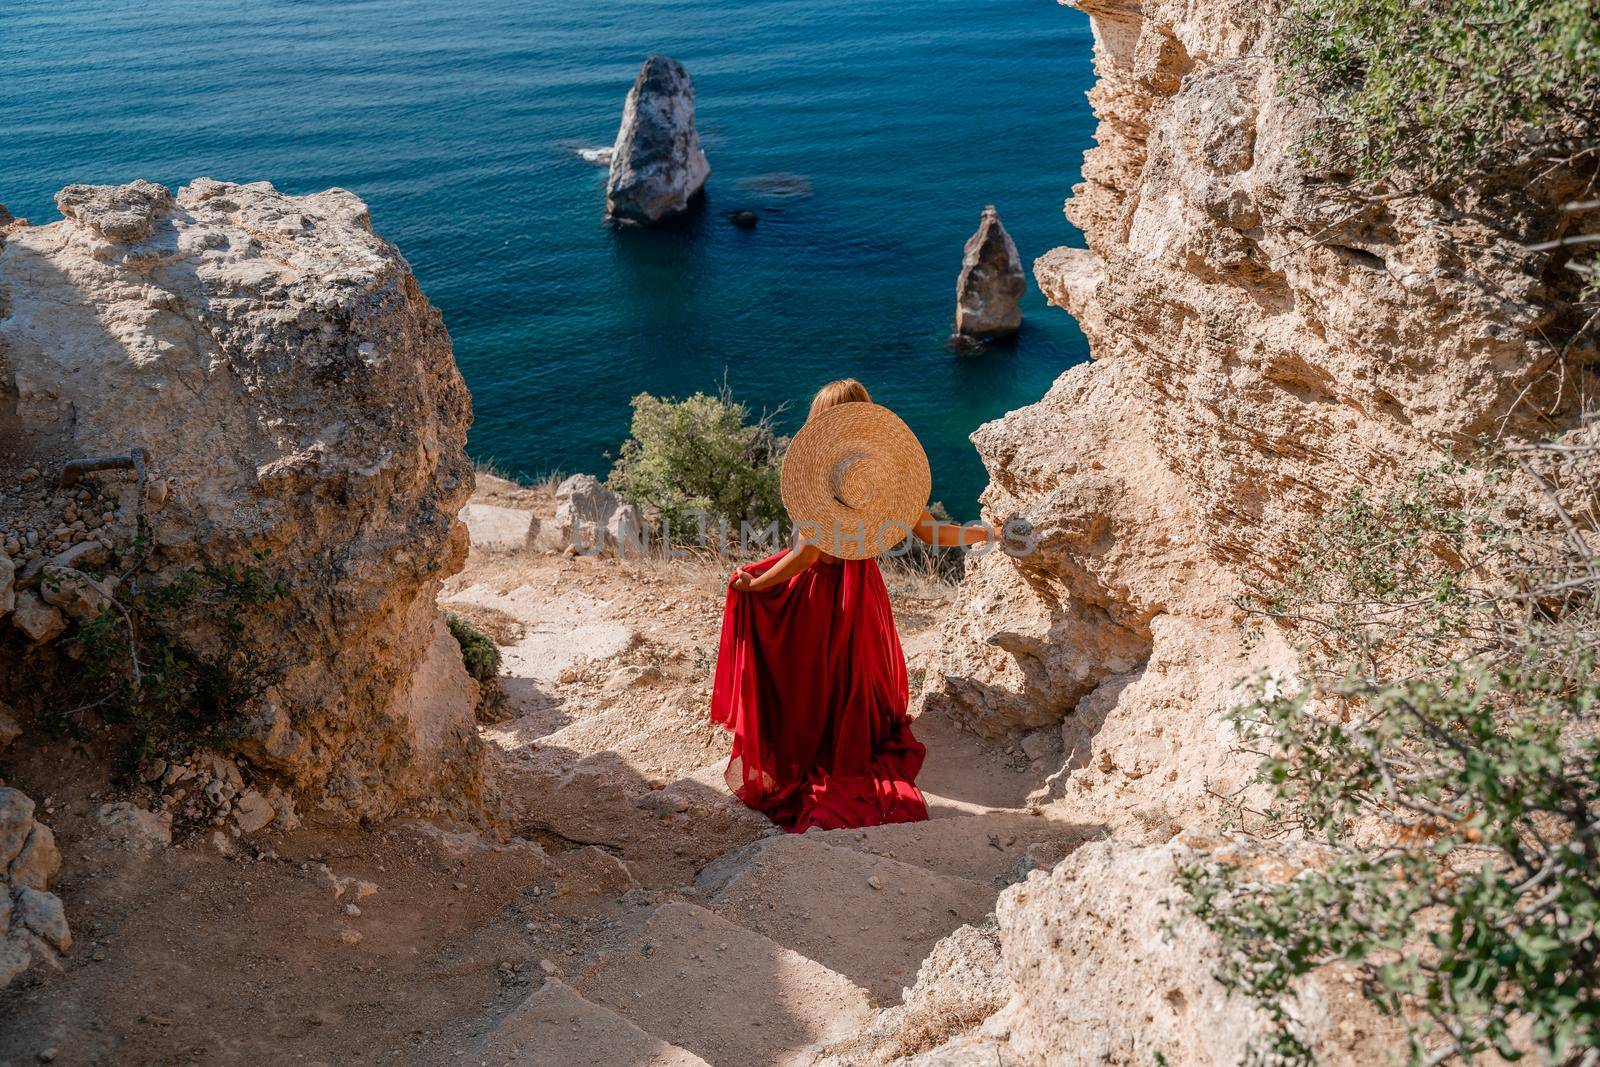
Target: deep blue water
458,122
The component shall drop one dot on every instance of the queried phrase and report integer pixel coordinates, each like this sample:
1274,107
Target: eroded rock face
991,282
1264,341
657,165
1106,966
301,417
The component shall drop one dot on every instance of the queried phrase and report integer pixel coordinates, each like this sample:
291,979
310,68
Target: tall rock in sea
991,283
657,166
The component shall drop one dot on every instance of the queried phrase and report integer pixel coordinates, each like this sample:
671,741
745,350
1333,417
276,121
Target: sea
867,135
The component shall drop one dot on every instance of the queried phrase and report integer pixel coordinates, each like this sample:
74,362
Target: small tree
1443,757
704,459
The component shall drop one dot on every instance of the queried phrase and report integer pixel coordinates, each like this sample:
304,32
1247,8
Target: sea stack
657,166
991,283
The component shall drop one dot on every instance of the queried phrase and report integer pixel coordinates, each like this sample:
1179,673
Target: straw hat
855,480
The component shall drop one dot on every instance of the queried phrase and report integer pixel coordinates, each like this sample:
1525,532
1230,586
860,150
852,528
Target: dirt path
622,905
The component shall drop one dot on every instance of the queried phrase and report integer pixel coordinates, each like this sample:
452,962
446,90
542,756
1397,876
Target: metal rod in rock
76,469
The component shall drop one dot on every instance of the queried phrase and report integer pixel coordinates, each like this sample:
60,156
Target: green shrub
700,459
478,650
1445,88
1442,756
141,663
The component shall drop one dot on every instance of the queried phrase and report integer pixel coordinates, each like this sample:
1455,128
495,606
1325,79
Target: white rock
36,865
134,828
591,518
89,553
74,592
252,811
657,165
492,526
39,621
43,914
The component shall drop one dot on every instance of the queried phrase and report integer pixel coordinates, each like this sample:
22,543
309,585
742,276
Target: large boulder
281,403
657,166
991,283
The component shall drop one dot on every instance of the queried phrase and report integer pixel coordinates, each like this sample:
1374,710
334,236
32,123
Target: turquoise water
459,124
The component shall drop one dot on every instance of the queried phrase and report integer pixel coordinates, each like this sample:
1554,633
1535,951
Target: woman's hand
743,580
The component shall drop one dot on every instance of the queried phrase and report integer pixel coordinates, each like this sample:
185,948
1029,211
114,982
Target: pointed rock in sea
991,283
657,166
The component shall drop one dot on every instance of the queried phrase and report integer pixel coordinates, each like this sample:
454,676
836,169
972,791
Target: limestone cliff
300,417
1263,341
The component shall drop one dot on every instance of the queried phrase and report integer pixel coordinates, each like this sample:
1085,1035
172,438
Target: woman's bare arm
795,561
950,534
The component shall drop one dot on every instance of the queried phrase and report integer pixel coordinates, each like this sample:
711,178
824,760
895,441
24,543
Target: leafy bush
481,656
1440,88
478,650
142,665
1442,756
701,459
1422,96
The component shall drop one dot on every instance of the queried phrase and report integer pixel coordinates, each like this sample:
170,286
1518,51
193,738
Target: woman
810,676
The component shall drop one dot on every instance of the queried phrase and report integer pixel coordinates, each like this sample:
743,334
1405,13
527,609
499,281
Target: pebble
48,1055
547,967
874,881
354,912
350,937
459,887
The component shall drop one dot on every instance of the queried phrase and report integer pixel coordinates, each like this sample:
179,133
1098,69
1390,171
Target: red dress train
812,682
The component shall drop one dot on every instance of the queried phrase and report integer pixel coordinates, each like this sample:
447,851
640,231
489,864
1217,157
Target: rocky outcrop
657,165
1106,966
991,283
33,924
287,413
1264,340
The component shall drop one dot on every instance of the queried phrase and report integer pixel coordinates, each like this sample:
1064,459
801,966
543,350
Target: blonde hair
843,391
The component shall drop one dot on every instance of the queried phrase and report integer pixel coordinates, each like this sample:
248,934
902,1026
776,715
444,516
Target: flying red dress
812,683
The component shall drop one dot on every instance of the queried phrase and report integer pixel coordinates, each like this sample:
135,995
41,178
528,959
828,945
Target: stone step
666,833
557,1027
733,997
870,918
994,848
493,527
964,773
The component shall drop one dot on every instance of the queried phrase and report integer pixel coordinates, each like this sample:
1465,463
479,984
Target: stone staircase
747,946
711,936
